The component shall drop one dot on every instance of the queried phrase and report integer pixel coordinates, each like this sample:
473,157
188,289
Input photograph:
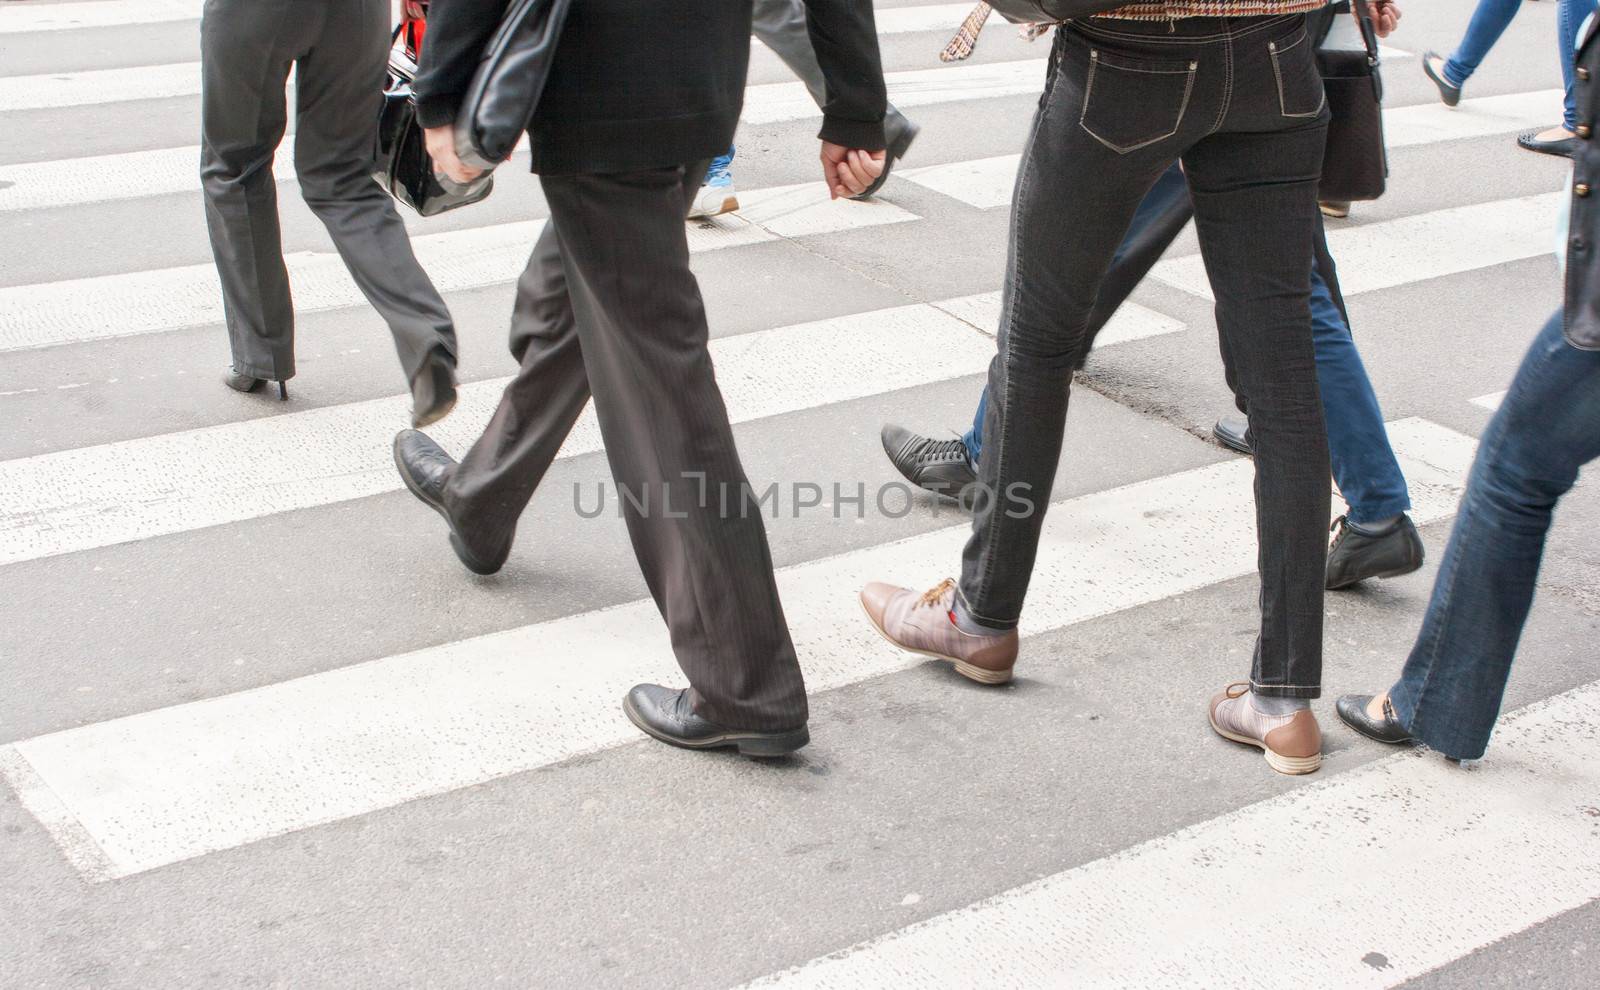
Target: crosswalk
207,778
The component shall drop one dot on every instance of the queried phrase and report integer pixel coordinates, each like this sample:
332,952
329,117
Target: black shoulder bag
505,90
1355,164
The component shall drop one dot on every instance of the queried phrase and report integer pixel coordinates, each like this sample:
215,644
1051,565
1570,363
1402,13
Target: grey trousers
781,26
340,49
608,307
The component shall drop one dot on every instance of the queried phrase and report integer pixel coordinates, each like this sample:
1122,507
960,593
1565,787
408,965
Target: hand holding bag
402,164
1355,164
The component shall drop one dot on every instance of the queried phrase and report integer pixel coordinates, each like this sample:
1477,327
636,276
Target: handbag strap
1369,31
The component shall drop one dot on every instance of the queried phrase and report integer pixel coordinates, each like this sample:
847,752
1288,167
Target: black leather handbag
505,90
402,164
1355,164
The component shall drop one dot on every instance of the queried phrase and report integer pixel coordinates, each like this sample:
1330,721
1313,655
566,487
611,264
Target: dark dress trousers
641,97
339,50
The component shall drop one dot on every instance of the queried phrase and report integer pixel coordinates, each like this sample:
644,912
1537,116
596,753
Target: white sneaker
716,197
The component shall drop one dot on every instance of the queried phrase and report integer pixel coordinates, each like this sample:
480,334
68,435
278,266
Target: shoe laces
926,450
934,594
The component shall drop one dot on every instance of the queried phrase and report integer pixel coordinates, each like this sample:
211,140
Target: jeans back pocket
1130,103
1300,90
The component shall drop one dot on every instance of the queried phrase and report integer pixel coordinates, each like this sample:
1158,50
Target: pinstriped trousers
608,308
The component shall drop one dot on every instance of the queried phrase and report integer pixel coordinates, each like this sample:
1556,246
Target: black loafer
1560,147
1451,95
1352,709
433,391
899,144
1233,432
939,466
1358,554
425,467
668,715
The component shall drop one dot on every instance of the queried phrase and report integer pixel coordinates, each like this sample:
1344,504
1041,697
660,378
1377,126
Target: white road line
1491,401
127,175
988,182
1370,875
76,500
53,90
134,303
1416,248
16,18
156,788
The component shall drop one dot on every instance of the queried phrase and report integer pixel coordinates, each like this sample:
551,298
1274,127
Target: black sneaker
1358,554
939,466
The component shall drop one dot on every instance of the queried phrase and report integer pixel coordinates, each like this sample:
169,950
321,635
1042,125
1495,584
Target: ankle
1273,705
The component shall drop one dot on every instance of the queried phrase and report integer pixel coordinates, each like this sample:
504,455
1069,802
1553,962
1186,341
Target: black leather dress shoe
425,468
241,382
1560,147
668,715
899,144
1233,432
433,391
940,466
1433,66
1352,709
1358,554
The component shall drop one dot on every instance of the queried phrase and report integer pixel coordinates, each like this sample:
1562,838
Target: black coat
642,84
1583,263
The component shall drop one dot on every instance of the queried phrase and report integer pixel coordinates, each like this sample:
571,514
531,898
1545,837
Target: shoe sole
730,204
1380,576
971,672
758,745
1334,212
1231,444
466,558
1291,765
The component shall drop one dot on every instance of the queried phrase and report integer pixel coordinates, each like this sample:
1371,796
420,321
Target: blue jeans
1364,464
1548,427
1489,21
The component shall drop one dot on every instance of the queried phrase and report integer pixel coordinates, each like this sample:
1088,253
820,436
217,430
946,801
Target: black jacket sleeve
458,32
846,42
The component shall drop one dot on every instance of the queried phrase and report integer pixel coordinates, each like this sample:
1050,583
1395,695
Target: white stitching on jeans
1088,96
1277,73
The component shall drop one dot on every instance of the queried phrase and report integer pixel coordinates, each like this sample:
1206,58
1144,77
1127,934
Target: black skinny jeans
1240,102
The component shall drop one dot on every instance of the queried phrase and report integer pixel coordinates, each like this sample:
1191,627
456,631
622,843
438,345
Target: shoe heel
1294,765
981,674
283,391
774,745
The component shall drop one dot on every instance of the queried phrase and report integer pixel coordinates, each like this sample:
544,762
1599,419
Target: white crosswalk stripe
19,18
158,788
1403,838
151,301
76,500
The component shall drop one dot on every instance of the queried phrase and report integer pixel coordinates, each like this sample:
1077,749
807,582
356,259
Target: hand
1385,16
849,171
441,143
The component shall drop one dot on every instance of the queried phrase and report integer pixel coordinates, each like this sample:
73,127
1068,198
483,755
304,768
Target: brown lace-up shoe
921,623
1293,743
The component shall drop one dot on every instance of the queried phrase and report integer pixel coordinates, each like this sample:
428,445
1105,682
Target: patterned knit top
1168,10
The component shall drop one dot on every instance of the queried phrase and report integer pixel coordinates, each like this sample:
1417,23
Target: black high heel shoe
240,382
